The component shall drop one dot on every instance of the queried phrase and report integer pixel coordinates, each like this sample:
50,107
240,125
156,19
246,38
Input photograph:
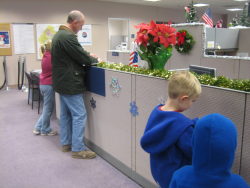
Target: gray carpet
29,161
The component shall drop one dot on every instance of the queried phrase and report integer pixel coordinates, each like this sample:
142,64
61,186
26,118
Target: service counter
118,56
118,112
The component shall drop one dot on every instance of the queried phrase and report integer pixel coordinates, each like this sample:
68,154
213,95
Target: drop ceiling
217,6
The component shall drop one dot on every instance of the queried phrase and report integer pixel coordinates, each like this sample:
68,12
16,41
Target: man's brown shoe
85,154
66,148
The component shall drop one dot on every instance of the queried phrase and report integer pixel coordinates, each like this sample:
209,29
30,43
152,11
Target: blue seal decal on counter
93,103
134,109
115,86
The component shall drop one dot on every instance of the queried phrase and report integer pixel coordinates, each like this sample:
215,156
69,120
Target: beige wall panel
224,66
179,61
109,124
244,41
244,72
149,92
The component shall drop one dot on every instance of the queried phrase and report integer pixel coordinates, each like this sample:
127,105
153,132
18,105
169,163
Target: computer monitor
203,70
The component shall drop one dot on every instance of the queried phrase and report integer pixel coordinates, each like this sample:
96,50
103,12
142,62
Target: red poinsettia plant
155,42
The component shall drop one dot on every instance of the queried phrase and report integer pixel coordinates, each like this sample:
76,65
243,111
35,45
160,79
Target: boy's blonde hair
183,83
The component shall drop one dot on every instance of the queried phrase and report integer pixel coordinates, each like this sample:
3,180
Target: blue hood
163,130
214,145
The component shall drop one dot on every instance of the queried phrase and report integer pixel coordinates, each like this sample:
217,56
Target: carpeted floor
29,161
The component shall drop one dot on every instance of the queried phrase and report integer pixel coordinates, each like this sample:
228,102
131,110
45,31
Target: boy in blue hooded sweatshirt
214,145
168,133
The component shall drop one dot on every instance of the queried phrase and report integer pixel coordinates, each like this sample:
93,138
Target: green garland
185,41
220,81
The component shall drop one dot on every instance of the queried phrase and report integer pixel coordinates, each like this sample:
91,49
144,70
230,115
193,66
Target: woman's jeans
43,123
73,118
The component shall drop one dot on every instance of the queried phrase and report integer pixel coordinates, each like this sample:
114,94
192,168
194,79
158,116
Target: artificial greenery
220,81
190,13
126,68
242,19
234,22
185,41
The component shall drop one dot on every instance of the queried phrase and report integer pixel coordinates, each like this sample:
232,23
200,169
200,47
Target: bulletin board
5,42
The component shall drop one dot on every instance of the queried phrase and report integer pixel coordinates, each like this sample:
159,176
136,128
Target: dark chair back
33,82
28,78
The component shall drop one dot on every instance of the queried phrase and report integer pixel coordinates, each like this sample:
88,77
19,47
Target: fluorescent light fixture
241,0
152,0
235,9
201,5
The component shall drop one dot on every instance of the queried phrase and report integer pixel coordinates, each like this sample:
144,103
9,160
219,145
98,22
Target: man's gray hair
75,15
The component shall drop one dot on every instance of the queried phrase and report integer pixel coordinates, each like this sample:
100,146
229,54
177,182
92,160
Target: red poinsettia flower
163,34
168,36
142,35
154,31
181,37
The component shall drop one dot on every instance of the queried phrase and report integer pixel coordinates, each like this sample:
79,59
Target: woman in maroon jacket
42,126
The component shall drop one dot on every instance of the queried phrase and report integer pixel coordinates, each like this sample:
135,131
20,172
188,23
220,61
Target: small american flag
133,59
207,17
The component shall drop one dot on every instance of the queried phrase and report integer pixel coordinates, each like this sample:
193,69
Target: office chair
33,82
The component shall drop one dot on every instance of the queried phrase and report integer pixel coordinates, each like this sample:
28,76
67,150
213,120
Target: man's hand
93,55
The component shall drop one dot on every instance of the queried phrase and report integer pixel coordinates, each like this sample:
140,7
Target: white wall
116,27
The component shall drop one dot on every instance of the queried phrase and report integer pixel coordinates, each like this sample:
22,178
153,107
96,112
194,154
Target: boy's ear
184,97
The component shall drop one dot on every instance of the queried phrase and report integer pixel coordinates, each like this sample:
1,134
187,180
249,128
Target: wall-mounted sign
85,35
115,53
24,42
5,42
4,39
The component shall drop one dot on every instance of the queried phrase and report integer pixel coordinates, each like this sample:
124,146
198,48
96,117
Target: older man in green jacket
68,61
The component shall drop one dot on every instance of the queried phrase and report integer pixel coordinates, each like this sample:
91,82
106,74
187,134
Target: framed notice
5,41
24,42
85,35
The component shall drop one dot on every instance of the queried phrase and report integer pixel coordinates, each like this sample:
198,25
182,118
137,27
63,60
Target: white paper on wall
24,42
85,35
210,44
